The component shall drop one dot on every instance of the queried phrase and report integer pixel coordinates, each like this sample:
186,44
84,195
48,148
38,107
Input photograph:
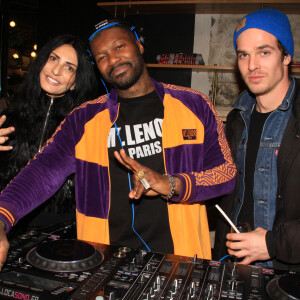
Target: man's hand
3,134
4,245
159,184
250,245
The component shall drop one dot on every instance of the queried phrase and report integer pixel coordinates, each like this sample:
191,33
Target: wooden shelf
194,67
202,67
117,8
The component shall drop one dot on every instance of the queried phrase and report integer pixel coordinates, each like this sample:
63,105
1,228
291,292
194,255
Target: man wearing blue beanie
263,131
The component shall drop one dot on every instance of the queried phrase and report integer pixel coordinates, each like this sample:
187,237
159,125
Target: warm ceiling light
12,23
35,46
33,54
15,55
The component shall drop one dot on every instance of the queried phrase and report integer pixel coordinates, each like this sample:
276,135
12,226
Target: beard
125,80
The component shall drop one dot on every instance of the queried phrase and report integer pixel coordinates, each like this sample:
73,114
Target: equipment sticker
14,294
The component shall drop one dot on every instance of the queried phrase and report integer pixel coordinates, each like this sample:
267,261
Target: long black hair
85,82
28,107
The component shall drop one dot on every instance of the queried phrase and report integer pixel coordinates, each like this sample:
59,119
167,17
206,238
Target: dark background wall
3,45
165,34
162,33
40,20
68,16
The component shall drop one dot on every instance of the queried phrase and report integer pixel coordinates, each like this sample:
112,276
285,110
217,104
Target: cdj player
50,266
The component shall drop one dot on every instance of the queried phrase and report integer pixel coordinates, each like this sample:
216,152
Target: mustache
117,66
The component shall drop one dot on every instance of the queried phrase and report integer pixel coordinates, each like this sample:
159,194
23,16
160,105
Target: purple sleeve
41,178
216,176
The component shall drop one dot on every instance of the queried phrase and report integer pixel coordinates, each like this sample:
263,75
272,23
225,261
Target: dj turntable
285,287
64,256
49,266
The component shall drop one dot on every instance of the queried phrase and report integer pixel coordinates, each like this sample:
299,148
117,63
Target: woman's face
58,74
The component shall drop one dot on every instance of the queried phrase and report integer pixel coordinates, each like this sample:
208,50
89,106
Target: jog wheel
285,287
64,256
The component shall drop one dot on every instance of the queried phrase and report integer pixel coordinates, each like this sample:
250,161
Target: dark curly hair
28,107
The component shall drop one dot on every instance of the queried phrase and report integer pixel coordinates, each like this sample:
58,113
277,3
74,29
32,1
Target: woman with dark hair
60,78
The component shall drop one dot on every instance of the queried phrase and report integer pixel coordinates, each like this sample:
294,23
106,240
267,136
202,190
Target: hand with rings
145,180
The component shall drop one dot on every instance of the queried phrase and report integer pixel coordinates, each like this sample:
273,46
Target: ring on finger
143,180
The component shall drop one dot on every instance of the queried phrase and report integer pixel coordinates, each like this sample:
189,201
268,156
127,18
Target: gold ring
140,174
143,180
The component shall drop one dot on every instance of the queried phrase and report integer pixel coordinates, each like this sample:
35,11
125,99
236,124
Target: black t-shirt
139,124
257,122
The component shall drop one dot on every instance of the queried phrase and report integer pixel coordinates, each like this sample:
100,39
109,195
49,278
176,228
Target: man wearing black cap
263,131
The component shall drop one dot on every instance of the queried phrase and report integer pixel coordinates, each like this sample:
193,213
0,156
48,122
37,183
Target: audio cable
129,180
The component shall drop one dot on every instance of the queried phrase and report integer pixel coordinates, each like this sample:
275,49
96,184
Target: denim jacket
265,175
284,191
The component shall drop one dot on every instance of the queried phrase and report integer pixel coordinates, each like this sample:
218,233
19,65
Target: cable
129,182
118,134
223,257
130,188
106,91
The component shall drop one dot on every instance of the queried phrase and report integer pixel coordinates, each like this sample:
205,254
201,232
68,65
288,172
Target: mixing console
50,266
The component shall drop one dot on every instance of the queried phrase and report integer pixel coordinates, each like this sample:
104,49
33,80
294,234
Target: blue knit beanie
270,20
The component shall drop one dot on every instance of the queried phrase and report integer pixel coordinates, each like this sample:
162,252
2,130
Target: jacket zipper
45,125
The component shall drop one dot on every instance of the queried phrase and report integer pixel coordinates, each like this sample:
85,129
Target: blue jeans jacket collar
246,100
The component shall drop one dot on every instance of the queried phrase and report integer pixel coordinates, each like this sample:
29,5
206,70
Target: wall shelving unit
195,6
203,67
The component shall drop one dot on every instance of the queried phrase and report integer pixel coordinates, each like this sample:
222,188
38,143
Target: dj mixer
51,266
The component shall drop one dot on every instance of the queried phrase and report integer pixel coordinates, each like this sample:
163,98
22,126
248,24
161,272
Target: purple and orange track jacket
194,149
